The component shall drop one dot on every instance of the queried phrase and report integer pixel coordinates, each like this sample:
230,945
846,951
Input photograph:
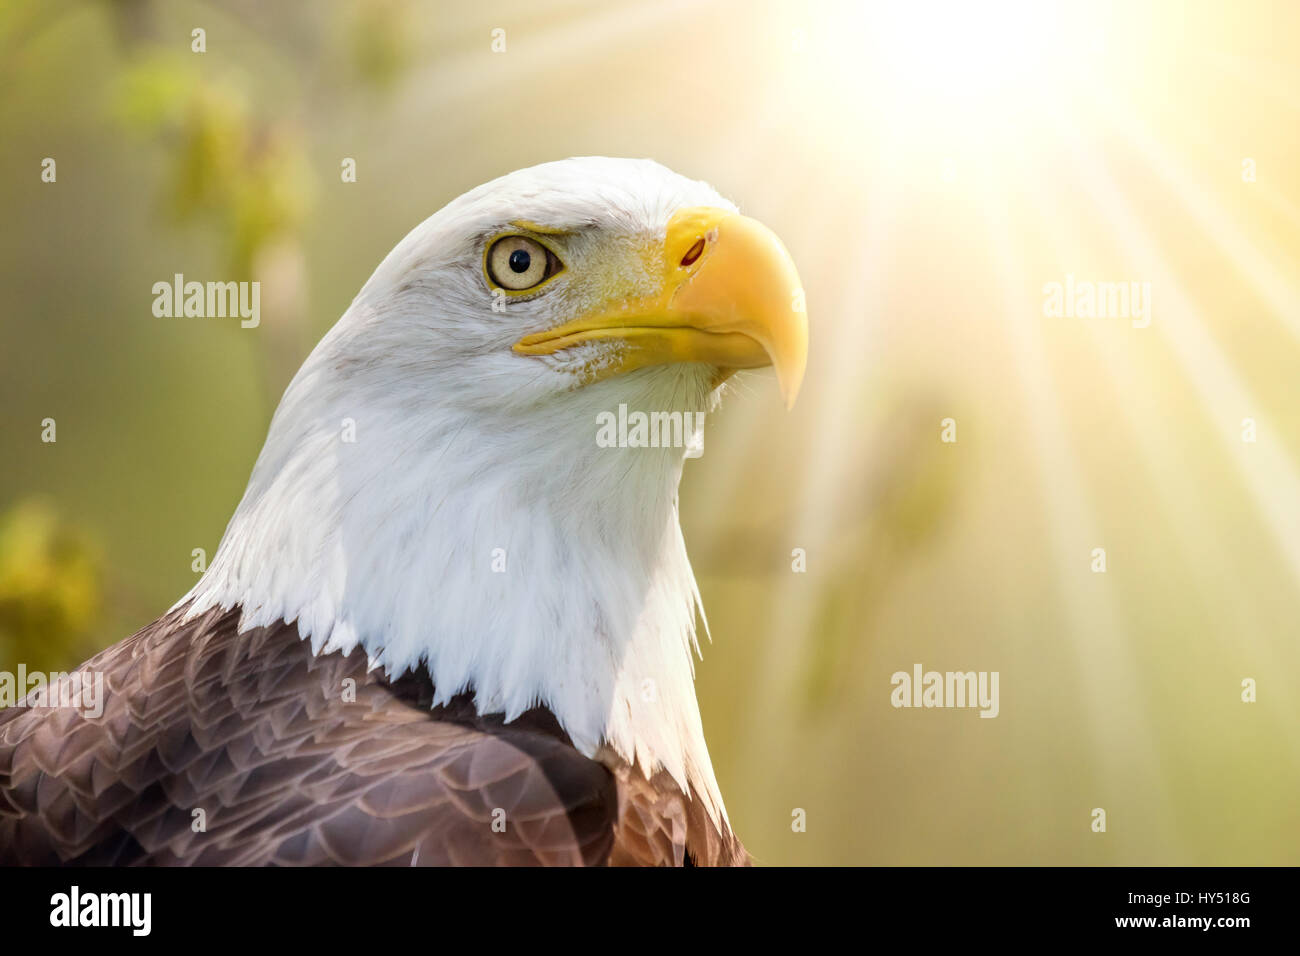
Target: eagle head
433,488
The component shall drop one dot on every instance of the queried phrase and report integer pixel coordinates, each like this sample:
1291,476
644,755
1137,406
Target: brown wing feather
658,825
256,732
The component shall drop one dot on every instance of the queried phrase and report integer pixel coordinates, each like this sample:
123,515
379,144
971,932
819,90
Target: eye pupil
520,261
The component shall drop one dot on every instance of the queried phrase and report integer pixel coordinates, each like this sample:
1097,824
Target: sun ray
846,371
1123,743
1272,280
1264,467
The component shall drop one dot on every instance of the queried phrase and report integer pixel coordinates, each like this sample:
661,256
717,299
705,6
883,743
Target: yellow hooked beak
730,297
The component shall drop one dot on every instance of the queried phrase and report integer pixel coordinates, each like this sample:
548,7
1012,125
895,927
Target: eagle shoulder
217,747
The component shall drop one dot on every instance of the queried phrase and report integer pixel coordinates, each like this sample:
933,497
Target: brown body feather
258,733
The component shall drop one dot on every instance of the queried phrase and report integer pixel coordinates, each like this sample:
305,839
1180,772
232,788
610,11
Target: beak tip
789,383
791,363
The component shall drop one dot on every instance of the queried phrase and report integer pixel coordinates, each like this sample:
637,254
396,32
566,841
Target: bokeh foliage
50,587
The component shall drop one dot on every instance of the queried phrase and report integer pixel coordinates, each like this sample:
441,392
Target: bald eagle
445,624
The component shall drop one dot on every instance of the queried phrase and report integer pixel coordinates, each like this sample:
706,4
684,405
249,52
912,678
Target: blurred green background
931,167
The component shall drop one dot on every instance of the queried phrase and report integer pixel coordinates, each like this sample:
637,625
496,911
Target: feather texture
299,759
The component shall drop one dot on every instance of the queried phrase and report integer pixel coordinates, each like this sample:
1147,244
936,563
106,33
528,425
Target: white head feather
463,447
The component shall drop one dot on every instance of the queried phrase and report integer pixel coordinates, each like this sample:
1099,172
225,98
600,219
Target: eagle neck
518,560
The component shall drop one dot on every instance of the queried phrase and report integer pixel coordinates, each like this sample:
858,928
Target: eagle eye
518,263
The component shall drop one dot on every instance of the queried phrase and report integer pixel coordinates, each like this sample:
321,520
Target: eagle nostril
693,253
